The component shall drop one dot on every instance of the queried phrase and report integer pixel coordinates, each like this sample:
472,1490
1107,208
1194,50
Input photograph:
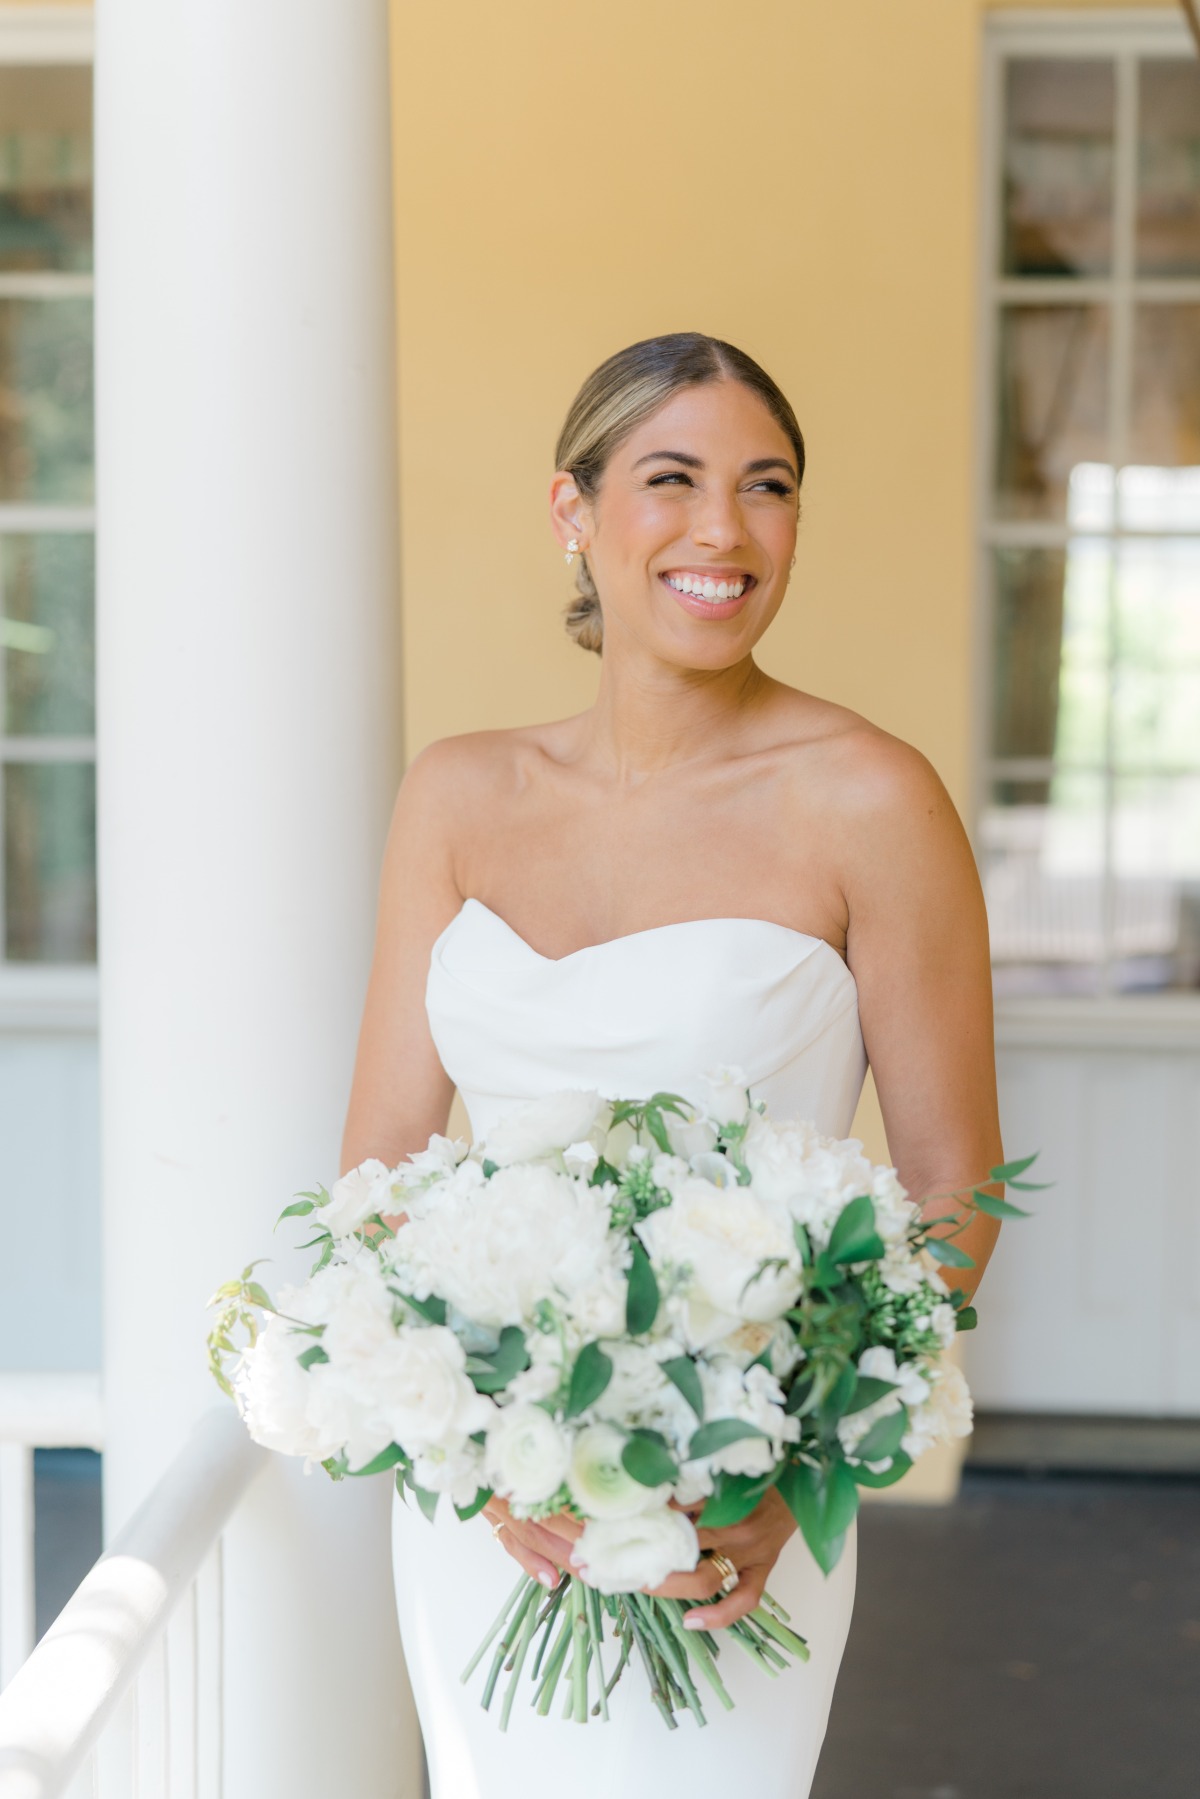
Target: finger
543,1542
745,1596
533,1563
702,1583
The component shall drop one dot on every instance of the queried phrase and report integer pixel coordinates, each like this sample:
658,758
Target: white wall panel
49,1201
1093,1305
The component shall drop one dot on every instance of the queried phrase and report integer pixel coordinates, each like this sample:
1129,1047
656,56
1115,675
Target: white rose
356,1197
543,1127
739,1255
526,1455
623,1555
728,1101
947,1413
599,1484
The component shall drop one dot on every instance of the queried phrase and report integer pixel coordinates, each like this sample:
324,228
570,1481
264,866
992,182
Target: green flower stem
626,1636
517,1618
773,1605
658,1690
522,1649
581,1637
695,1646
496,1628
548,1614
558,1655
595,1624
774,1627
676,1661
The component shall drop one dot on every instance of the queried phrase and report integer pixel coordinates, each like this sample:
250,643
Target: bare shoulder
476,766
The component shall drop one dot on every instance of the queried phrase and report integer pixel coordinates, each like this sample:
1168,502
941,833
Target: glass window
1090,833
47,548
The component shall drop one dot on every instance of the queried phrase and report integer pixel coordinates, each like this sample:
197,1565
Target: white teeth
701,588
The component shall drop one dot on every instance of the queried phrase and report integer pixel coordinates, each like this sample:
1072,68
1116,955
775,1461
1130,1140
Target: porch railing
123,1695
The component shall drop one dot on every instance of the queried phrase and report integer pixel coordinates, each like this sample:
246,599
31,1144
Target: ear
569,511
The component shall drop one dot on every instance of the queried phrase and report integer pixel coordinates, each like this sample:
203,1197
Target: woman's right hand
542,1549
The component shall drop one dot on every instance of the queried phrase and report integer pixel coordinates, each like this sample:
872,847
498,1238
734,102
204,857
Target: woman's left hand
753,1547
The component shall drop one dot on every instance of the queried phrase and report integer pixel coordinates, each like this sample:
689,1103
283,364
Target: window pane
1043,856
1156,902
1053,405
46,400
46,633
50,861
1058,168
1050,656
46,168
1168,218
1164,430
1157,702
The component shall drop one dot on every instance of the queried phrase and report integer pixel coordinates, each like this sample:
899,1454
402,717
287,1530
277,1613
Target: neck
650,716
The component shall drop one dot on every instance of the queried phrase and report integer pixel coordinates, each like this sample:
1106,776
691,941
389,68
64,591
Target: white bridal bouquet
639,1312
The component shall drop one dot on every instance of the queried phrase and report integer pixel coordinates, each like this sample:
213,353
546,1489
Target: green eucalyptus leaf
883,1438
1008,1171
641,1300
719,1435
867,1389
646,1459
589,1377
312,1355
996,1208
682,1372
477,1504
966,1318
734,1497
854,1237
949,1254
390,1457
900,1466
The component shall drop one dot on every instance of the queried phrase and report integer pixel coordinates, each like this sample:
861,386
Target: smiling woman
624,393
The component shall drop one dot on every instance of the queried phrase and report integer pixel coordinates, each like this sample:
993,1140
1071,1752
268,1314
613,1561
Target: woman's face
691,535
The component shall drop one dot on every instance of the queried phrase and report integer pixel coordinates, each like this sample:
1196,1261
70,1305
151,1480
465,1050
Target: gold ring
727,1571
497,1528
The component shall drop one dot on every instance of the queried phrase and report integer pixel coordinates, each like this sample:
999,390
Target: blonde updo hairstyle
615,399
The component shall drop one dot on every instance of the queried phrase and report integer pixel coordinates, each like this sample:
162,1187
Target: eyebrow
751,468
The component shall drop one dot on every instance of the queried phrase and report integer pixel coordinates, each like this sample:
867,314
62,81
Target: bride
706,866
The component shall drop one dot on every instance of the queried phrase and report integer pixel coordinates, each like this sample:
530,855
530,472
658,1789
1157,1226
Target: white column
249,750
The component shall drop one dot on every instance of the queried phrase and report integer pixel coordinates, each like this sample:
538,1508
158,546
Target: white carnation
543,1127
946,1414
625,1555
356,1197
527,1455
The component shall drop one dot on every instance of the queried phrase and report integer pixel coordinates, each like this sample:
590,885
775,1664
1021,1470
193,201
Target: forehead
712,418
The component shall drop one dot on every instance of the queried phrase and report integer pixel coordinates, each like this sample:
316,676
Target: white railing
123,1695
37,1411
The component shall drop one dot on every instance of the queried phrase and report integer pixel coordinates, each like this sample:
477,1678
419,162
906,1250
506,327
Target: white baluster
16,1557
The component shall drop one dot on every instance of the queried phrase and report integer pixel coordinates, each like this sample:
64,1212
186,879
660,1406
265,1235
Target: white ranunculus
733,1255
597,1479
274,1394
526,1455
946,1414
494,1252
356,1197
543,1127
728,1101
623,1555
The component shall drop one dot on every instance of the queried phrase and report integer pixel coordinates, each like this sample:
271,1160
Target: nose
718,523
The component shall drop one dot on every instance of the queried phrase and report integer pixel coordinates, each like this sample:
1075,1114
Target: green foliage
883,1438
867,1389
682,1372
719,1435
589,1377
432,1310
312,1356
949,1254
900,1466
390,1457
477,1504
854,1237
824,1503
966,1318
492,1373
641,1299
647,1459
734,1497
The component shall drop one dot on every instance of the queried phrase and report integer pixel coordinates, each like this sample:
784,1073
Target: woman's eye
780,487
673,474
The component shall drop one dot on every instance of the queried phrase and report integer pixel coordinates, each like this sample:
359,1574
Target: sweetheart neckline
653,930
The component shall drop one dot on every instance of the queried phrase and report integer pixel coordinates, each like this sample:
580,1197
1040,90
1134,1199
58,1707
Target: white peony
495,1251
730,1257
728,1100
356,1197
597,1479
625,1555
543,1127
946,1414
274,1394
527,1455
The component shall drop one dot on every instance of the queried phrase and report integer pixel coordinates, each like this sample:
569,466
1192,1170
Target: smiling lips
709,593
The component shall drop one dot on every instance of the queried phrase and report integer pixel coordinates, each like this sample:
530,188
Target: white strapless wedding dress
648,1011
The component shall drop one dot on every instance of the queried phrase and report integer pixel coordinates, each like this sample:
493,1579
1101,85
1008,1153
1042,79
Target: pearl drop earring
572,551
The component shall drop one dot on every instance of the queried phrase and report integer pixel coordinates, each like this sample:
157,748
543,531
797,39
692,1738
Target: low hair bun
583,618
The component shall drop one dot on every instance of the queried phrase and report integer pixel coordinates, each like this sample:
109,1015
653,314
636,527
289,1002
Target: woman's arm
400,1093
917,945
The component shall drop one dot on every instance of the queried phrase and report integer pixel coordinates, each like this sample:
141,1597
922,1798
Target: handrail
51,1411
56,1705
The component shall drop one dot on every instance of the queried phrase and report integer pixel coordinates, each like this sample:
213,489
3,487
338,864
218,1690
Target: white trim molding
43,998
46,34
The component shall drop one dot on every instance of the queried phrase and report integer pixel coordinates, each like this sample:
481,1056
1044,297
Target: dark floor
1040,1639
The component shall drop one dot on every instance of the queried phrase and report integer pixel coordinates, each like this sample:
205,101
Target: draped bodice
649,1011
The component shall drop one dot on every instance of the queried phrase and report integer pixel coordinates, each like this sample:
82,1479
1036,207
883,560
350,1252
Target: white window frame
47,996
1166,1020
